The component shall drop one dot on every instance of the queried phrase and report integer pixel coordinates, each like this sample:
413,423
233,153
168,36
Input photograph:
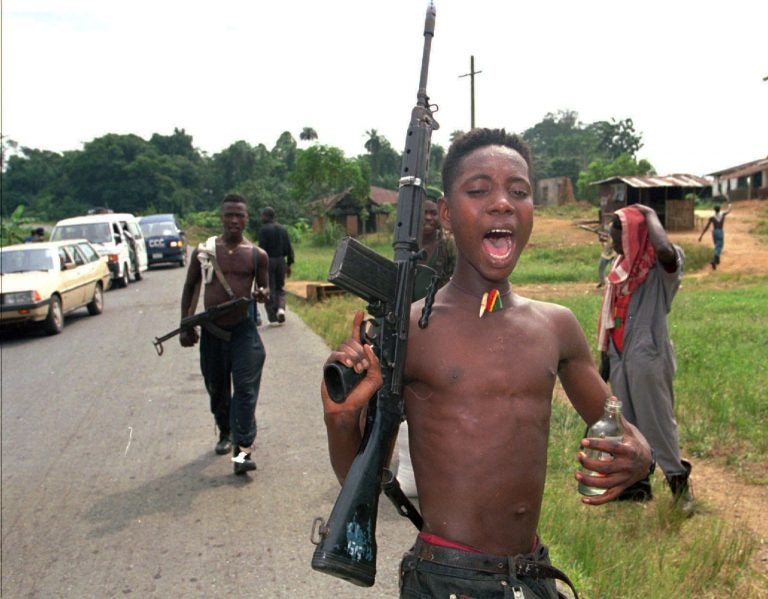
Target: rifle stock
346,546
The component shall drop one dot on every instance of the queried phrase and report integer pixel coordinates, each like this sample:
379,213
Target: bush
206,219
329,235
299,230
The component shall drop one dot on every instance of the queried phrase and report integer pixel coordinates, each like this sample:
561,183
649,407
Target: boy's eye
477,191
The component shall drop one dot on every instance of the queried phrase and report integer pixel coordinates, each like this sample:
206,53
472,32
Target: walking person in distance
274,239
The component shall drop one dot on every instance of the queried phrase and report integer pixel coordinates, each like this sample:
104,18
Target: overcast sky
689,74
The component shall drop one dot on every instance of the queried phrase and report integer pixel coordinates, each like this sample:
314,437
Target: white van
115,235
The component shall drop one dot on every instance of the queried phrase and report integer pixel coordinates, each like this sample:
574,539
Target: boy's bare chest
484,359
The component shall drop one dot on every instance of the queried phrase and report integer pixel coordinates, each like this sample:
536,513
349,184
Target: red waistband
432,539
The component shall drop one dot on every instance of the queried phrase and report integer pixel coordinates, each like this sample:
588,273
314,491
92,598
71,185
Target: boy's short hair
268,213
478,138
233,198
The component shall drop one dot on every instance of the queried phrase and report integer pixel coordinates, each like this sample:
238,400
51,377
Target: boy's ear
444,213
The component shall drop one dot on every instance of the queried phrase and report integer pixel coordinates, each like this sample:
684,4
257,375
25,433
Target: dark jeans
277,268
237,364
423,579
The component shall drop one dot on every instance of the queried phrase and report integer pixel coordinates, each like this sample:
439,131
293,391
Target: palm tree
307,134
373,145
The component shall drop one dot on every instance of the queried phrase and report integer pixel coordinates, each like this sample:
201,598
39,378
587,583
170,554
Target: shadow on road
173,494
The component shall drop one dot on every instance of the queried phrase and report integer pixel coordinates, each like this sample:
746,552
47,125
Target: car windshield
25,260
158,229
93,232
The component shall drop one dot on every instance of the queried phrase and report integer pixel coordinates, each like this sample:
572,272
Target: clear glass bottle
608,427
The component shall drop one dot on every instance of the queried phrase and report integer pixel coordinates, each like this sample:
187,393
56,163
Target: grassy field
621,550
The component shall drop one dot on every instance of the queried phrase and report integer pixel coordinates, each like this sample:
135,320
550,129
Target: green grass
720,341
621,550
629,550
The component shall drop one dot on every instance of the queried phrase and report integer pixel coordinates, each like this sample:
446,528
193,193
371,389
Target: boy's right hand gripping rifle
346,544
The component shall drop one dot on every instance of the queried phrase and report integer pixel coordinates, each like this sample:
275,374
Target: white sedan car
41,282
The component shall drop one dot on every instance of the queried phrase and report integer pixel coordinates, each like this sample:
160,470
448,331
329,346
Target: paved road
110,486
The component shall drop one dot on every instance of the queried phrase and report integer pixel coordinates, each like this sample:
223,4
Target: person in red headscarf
634,334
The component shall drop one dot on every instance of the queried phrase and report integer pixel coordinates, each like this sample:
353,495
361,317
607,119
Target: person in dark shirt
273,238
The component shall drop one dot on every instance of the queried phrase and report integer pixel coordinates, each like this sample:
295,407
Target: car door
97,266
85,273
68,287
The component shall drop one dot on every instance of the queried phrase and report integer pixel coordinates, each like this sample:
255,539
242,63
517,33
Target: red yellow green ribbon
491,302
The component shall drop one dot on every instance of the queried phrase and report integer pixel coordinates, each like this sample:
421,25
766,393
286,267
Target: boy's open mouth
497,243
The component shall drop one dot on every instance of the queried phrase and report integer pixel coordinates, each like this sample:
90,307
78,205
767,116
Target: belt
492,564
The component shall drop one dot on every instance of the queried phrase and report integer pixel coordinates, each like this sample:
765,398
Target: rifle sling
220,276
392,489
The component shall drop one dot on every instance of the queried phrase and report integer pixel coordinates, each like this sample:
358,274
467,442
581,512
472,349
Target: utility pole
471,75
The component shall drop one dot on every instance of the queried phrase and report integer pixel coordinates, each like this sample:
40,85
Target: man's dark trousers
237,364
277,269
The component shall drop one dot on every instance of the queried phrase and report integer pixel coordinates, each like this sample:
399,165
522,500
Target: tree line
167,173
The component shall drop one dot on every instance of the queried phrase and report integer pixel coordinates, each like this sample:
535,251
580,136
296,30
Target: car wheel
96,305
54,322
125,279
183,261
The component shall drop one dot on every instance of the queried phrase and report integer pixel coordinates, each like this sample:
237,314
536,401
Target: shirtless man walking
717,220
235,363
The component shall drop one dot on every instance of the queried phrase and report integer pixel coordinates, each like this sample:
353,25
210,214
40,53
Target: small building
554,191
670,196
353,218
743,182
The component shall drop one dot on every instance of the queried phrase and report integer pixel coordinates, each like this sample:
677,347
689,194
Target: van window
93,232
159,229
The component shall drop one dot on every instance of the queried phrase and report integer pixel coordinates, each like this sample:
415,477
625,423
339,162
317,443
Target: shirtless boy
717,221
479,409
235,363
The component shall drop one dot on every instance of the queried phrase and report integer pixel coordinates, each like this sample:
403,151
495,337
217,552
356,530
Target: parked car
115,235
41,282
165,240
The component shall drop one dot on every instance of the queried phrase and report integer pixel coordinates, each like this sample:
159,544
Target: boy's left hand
631,462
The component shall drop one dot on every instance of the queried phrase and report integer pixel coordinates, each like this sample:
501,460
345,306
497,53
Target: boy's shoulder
533,308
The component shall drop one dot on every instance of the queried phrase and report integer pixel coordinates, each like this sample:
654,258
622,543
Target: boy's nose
501,204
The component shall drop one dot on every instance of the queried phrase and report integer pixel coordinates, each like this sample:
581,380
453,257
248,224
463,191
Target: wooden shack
554,191
353,217
671,196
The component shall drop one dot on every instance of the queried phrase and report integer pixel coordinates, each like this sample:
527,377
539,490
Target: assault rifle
346,544
205,319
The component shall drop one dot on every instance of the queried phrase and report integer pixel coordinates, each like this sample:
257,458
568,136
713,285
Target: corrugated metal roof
680,180
742,170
